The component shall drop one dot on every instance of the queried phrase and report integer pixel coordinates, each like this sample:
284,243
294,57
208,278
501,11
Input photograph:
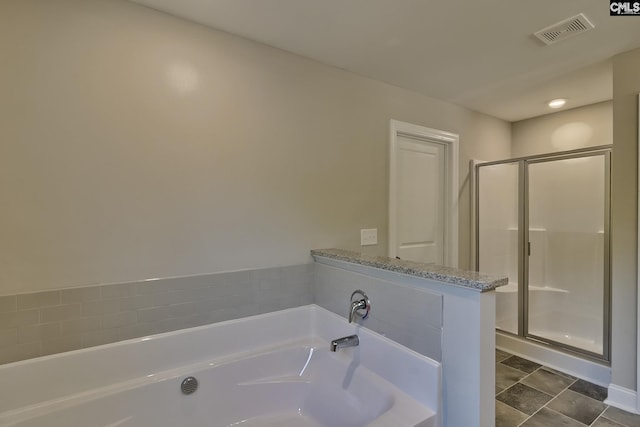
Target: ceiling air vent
564,29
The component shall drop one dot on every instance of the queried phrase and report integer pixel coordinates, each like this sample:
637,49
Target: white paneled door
421,216
420,200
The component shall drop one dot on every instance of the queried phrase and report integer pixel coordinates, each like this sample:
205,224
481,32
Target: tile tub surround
453,276
43,323
529,395
408,315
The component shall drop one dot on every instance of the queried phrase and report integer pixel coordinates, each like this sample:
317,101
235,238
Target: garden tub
273,369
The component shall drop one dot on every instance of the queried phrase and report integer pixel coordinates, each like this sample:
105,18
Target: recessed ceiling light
557,103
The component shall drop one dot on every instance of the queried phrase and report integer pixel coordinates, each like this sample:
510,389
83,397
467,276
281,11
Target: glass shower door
567,237
498,241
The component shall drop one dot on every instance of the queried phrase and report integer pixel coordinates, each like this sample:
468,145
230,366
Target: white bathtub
268,370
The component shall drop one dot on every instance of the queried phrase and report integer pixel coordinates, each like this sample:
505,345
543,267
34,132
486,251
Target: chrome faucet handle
359,302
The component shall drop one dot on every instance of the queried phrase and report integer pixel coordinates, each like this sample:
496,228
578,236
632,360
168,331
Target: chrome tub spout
350,341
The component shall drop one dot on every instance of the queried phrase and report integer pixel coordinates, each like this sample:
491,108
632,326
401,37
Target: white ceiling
480,54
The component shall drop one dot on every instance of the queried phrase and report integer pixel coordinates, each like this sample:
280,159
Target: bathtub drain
189,385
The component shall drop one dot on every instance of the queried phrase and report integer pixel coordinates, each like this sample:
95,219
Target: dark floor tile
521,364
507,376
548,382
523,398
547,417
577,406
501,355
590,390
506,416
622,417
603,422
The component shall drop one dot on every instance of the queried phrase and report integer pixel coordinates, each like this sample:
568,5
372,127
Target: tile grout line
574,380
518,382
553,397
550,400
526,376
600,414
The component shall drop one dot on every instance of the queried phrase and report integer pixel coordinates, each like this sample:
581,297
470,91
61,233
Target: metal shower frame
523,244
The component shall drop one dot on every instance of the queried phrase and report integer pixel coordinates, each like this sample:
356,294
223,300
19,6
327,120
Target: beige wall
580,127
624,202
138,145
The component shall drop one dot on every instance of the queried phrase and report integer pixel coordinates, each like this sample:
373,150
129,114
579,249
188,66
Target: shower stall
543,221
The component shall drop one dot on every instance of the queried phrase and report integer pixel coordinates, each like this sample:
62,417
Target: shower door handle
529,248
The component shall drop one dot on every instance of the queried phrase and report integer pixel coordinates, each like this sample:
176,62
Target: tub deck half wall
445,313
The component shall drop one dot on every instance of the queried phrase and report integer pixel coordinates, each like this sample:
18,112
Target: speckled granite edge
468,279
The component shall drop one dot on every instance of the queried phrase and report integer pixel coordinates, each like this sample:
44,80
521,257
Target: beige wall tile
137,330
18,318
223,288
154,314
78,326
40,332
180,297
8,304
97,315
38,299
61,312
168,298
136,302
249,310
222,314
299,275
184,310
90,293
101,307
196,320
152,287
60,345
169,325
117,320
235,277
15,353
189,283
8,337
120,290
95,338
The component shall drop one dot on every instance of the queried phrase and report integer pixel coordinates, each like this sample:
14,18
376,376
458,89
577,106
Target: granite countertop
467,279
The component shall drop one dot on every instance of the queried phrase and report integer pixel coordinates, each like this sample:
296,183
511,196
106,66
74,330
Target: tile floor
533,395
